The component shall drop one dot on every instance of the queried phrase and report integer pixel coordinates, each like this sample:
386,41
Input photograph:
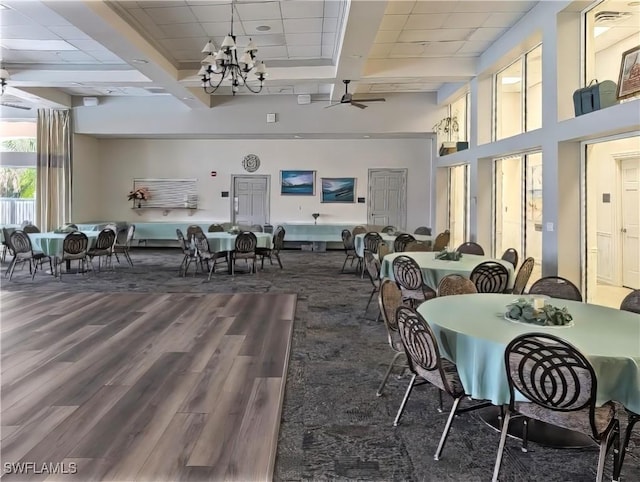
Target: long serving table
472,332
358,241
433,270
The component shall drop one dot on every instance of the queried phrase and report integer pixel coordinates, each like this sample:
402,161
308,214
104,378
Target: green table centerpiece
535,311
449,255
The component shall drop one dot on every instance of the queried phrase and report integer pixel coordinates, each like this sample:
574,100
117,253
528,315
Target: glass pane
534,89
508,205
459,110
509,101
458,195
533,215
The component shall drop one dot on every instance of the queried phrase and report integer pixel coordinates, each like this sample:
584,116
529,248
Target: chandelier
224,64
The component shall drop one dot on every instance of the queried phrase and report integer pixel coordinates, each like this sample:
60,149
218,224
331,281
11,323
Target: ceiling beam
105,26
42,97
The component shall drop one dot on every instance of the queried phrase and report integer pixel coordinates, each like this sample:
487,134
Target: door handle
624,230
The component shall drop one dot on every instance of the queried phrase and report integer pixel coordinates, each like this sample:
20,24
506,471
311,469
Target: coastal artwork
338,189
299,183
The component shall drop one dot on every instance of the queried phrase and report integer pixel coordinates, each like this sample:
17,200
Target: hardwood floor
149,387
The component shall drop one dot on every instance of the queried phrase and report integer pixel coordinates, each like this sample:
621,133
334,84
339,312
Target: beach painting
338,189
298,183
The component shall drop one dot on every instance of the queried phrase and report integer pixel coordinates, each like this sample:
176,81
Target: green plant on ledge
448,127
524,311
449,255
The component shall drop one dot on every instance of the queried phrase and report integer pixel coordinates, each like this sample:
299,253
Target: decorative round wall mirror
251,163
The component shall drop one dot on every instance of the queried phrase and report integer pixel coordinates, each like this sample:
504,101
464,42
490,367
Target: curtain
53,190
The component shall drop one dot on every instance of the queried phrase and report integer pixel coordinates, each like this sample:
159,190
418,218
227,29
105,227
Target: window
518,207
458,128
518,96
610,28
458,204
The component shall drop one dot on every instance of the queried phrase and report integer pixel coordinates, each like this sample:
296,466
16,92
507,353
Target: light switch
271,118
549,227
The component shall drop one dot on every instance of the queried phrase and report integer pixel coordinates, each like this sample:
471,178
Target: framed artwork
629,80
298,183
338,189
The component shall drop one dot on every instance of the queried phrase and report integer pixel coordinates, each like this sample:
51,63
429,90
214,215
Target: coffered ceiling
59,49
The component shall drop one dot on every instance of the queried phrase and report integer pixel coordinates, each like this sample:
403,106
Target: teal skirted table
226,242
433,270
51,243
473,333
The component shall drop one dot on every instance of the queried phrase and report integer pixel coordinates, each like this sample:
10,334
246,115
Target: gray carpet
333,426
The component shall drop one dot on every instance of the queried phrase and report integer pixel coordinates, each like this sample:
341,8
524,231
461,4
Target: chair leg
440,405
604,446
279,261
344,264
11,267
525,435
447,427
503,439
404,400
386,375
128,256
369,302
632,420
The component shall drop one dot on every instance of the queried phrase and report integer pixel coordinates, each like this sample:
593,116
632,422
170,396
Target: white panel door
388,197
631,223
251,200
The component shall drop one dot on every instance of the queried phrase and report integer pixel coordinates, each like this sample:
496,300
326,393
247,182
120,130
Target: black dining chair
556,287
490,277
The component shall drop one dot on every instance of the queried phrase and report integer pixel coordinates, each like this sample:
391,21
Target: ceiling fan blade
356,104
15,106
377,99
332,105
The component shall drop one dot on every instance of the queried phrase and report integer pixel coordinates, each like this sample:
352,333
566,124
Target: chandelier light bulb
209,48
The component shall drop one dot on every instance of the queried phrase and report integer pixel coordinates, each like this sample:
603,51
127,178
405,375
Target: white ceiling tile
220,29
502,19
11,17
194,44
266,53
441,48
183,30
421,22
332,8
393,22
212,13
302,25
207,2
304,39
171,15
187,55
487,34
465,20
147,23
476,47
328,38
399,7
406,50
107,57
87,44
380,51
259,11
30,56
387,36
302,9
69,32
435,7
269,40
251,26
28,44
328,50
495,6
330,24
163,3
307,51
33,32
438,35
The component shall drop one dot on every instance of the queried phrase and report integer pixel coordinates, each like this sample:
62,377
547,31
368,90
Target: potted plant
139,195
448,128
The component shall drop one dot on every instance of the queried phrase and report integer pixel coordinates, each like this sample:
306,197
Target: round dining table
473,332
358,241
51,243
222,241
433,270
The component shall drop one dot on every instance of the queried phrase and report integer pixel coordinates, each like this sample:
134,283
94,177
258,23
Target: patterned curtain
53,194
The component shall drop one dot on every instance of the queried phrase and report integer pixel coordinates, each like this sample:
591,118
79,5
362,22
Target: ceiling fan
15,106
347,98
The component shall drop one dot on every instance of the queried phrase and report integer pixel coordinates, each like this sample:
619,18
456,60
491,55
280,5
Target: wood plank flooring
149,387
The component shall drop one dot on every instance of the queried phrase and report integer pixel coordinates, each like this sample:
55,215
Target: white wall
86,189
121,160
607,62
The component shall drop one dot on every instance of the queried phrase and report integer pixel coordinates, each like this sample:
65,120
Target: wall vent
609,16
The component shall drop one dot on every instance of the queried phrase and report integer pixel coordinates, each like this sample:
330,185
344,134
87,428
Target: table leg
536,431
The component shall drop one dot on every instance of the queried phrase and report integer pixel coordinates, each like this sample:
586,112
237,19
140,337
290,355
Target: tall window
458,204
458,128
18,172
610,27
518,207
518,96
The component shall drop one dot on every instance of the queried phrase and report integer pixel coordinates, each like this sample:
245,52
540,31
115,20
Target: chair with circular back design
401,241
408,275
556,287
192,230
417,246
388,230
123,243
274,251
189,253
75,248
372,265
389,300
523,275
423,230
559,386
470,248
455,284
349,250
442,241
490,277
631,302
245,248
23,252
215,228
31,228
371,242
104,246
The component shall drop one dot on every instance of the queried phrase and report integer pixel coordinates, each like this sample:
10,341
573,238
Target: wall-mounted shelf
165,211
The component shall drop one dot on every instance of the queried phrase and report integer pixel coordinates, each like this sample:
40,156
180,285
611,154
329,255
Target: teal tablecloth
164,231
51,243
358,241
433,270
226,241
472,332
315,232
